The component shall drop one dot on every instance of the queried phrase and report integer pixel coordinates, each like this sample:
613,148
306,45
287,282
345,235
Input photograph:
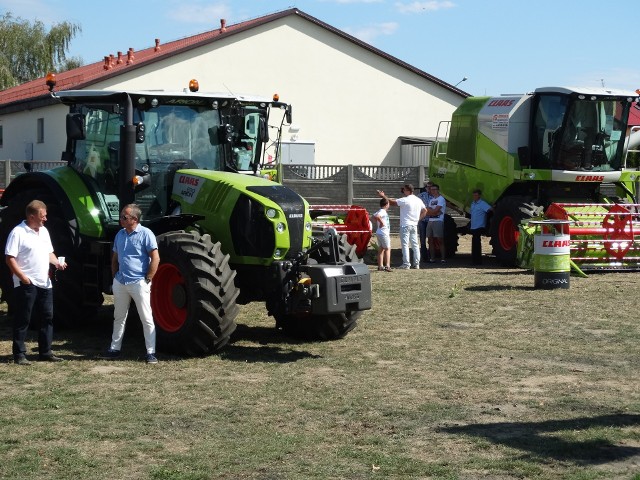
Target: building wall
352,103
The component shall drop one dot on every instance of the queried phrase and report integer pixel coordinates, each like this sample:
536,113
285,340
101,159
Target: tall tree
29,51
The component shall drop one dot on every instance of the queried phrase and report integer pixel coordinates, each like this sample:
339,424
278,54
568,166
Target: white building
352,103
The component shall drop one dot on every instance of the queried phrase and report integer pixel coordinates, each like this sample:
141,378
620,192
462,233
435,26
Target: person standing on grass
478,225
28,253
435,227
383,234
412,210
426,197
134,262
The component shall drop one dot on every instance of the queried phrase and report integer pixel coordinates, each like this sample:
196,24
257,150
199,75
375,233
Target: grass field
456,373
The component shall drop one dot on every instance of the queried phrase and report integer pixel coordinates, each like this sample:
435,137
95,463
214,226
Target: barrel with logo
551,254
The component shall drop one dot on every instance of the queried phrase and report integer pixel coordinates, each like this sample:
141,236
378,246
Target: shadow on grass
538,437
497,288
264,351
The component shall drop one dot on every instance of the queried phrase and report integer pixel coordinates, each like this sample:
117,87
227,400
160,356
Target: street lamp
464,79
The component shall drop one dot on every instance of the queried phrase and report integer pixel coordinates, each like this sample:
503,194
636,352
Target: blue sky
500,46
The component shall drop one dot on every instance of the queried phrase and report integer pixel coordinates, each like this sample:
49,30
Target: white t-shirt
31,250
410,208
382,213
439,200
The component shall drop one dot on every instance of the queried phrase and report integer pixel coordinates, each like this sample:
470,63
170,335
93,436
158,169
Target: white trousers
409,238
140,292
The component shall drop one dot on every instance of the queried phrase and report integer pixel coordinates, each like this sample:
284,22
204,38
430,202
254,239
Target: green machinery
557,150
226,235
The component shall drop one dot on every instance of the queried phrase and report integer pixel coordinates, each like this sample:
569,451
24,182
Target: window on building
40,134
1,137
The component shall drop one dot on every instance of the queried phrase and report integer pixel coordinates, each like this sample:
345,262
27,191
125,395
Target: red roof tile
634,115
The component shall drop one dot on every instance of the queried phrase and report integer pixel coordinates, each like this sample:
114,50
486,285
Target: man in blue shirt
478,225
134,262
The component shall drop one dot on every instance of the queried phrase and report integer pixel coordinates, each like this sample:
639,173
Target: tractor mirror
75,126
213,136
263,131
288,113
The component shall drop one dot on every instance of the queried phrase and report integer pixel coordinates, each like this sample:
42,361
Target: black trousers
422,233
37,303
476,245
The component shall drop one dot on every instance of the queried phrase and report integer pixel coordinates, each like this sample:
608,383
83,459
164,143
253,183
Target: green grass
456,373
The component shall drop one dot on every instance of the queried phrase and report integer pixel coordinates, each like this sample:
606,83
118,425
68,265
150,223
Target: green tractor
226,235
557,150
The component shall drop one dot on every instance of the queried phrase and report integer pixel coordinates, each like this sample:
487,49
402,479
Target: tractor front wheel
193,295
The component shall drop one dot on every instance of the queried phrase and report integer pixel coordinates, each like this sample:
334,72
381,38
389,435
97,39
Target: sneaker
22,361
110,354
49,358
403,267
443,261
432,261
151,358
415,267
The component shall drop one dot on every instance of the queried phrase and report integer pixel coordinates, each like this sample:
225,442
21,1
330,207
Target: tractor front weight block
343,288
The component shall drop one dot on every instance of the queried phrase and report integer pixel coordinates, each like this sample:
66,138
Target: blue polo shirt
479,212
133,251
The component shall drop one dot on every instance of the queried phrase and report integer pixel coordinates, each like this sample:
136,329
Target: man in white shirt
435,228
28,253
412,210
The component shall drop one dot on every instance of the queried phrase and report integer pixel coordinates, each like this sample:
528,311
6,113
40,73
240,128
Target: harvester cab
561,146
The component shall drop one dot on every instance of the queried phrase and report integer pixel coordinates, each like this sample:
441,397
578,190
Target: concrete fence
318,184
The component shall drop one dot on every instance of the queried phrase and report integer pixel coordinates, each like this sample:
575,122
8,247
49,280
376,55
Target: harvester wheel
322,327
69,305
193,295
450,238
504,227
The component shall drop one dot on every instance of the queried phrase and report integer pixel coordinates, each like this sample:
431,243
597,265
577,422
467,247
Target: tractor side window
97,155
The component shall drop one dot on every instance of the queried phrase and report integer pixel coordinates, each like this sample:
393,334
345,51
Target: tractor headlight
307,226
271,213
280,227
277,253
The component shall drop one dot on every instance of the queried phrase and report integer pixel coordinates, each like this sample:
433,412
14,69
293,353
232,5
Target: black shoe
151,358
110,354
22,361
49,358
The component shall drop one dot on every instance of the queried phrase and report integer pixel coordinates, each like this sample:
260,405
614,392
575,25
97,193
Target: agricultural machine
226,235
558,153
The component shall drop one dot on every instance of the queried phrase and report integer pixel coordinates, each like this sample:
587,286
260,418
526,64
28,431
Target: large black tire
322,327
193,295
450,238
70,307
504,226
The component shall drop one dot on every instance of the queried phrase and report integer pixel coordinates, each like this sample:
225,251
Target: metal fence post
349,184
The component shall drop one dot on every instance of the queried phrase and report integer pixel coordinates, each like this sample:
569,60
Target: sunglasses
126,217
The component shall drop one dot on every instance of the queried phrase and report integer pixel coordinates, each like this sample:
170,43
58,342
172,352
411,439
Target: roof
36,91
634,115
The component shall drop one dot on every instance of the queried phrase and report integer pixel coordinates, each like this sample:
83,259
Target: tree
28,51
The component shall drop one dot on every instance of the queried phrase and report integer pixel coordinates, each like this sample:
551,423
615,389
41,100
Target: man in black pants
478,225
28,254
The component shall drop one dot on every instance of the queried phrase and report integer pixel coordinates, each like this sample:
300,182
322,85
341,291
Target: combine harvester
556,153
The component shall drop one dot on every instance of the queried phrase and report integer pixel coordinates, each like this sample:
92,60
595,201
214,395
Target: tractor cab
214,132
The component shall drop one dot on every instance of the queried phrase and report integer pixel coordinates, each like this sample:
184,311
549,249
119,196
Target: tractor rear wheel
322,327
504,227
193,295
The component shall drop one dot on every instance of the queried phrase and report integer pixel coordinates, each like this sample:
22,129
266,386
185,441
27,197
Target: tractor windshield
579,133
